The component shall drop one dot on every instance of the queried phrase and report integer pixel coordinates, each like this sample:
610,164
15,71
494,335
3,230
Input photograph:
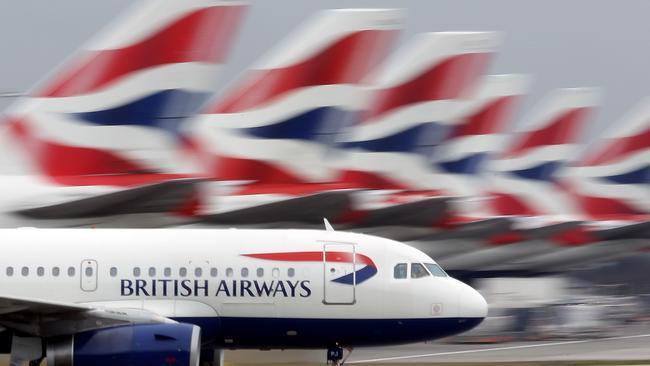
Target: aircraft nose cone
471,304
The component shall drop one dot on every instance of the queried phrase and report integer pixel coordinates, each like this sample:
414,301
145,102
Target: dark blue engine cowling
147,344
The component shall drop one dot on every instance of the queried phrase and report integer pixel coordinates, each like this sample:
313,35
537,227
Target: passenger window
182,272
56,271
291,272
167,272
229,272
198,272
436,270
276,272
24,271
136,271
213,272
71,271
40,271
89,271
399,271
418,270
113,271
10,271
260,272
152,271
244,272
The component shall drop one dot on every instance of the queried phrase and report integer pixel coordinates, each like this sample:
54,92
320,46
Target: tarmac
632,345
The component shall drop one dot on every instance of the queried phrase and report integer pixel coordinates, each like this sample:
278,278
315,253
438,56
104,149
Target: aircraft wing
165,196
309,208
50,318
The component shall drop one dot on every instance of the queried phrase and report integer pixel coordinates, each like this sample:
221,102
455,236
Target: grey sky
562,43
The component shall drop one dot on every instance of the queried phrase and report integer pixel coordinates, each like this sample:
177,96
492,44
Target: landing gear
336,356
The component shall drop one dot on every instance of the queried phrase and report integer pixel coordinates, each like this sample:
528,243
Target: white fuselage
282,282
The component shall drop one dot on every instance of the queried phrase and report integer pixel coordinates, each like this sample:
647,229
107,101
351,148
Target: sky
561,43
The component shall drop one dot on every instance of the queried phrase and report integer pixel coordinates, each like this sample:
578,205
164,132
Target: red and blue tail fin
274,124
612,180
479,132
411,108
112,111
524,175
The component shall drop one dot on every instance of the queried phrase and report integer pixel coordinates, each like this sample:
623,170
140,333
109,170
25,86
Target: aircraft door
339,264
88,275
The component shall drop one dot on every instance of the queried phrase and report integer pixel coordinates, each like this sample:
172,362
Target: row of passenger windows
199,272
151,271
418,270
40,271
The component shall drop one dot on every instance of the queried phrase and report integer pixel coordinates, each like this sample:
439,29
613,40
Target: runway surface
634,344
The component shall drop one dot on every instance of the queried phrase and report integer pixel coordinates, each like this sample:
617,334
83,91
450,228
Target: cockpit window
436,270
399,271
418,270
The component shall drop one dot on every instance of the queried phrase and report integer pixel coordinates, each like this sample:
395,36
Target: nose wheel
336,355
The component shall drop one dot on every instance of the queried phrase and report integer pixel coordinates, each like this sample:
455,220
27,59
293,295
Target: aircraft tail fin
412,105
273,124
548,140
115,106
612,179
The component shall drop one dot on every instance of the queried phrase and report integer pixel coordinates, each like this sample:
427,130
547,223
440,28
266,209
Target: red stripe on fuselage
344,257
201,36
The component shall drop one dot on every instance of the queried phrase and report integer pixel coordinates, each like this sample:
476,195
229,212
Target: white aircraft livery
162,296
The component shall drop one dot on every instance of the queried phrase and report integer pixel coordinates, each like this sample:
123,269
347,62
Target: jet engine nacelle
150,344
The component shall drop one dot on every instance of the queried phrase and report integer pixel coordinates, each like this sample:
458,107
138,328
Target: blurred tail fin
528,167
412,106
272,125
612,180
114,107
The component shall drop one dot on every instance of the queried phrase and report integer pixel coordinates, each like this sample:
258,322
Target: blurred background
509,140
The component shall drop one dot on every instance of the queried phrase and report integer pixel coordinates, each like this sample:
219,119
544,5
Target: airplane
263,141
100,130
182,296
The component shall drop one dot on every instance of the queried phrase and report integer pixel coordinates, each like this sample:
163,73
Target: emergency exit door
88,275
339,264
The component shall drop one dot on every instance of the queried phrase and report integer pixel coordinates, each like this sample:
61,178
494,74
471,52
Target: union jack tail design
612,180
275,124
110,114
414,101
523,177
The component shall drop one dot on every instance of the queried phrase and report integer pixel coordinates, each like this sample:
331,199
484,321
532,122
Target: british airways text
204,288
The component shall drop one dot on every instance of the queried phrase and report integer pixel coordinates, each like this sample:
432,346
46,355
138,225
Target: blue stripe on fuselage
361,275
163,109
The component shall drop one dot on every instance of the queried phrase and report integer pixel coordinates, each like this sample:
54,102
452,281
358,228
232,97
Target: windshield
436,270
